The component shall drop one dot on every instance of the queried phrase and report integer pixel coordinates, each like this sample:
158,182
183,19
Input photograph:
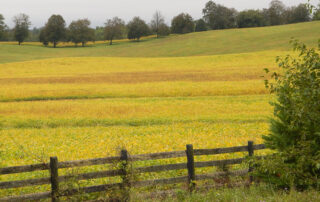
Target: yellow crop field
71,78
167,98
89,107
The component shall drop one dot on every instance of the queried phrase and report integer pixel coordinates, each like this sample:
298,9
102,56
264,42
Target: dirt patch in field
136,77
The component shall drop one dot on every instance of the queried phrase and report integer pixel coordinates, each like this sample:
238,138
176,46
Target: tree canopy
80,32
3,29
21,28
137,28
250,18
201,26
182,24
114,29
218,16
164,30
55,29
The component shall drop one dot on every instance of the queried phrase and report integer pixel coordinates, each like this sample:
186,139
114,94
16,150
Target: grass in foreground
261,193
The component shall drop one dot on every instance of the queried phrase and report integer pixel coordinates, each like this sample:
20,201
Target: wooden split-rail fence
124,158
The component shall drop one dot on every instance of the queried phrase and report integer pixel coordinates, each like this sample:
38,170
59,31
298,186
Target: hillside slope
204,43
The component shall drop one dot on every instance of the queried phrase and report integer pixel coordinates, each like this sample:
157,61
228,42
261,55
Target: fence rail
54,166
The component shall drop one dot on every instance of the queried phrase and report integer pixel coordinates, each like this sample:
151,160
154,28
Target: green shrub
295,130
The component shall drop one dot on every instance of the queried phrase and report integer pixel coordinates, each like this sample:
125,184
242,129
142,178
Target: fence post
54,179
251,153
125,178
191,169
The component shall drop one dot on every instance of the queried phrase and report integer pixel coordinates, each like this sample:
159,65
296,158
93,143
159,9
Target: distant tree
3,29
156,22
114,29
163,30
55,29
316,14
80,32
182,24
201,25
276,12
266,16
43,37
99,33
33,34
250,18
218,16
300,13
137,28
21,28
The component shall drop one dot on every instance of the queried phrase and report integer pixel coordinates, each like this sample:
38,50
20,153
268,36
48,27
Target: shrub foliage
295,130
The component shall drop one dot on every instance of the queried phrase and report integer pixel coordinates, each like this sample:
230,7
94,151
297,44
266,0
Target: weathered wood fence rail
124,158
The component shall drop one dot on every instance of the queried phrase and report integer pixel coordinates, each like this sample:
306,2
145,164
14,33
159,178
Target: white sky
97,11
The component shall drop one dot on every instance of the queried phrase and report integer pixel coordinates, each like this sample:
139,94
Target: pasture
158,95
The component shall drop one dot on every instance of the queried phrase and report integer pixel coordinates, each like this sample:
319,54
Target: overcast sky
97,11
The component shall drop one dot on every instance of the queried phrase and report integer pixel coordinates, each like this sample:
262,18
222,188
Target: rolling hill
195,44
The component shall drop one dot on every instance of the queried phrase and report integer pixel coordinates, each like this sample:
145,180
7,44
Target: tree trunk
19,42
111,42
83,43
54,44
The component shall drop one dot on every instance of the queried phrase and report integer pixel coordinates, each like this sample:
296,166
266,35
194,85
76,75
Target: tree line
215,16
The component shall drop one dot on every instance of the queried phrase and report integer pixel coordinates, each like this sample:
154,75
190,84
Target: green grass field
194,44
158,95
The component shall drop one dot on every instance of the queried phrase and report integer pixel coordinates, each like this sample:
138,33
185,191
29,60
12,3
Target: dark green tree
295,128
182,24
21,28
114,29
43,37
55,29
137,28
99,33
33,34
300,14
3,29
80,32
297,14
201,26
163,30
250,18
218,16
